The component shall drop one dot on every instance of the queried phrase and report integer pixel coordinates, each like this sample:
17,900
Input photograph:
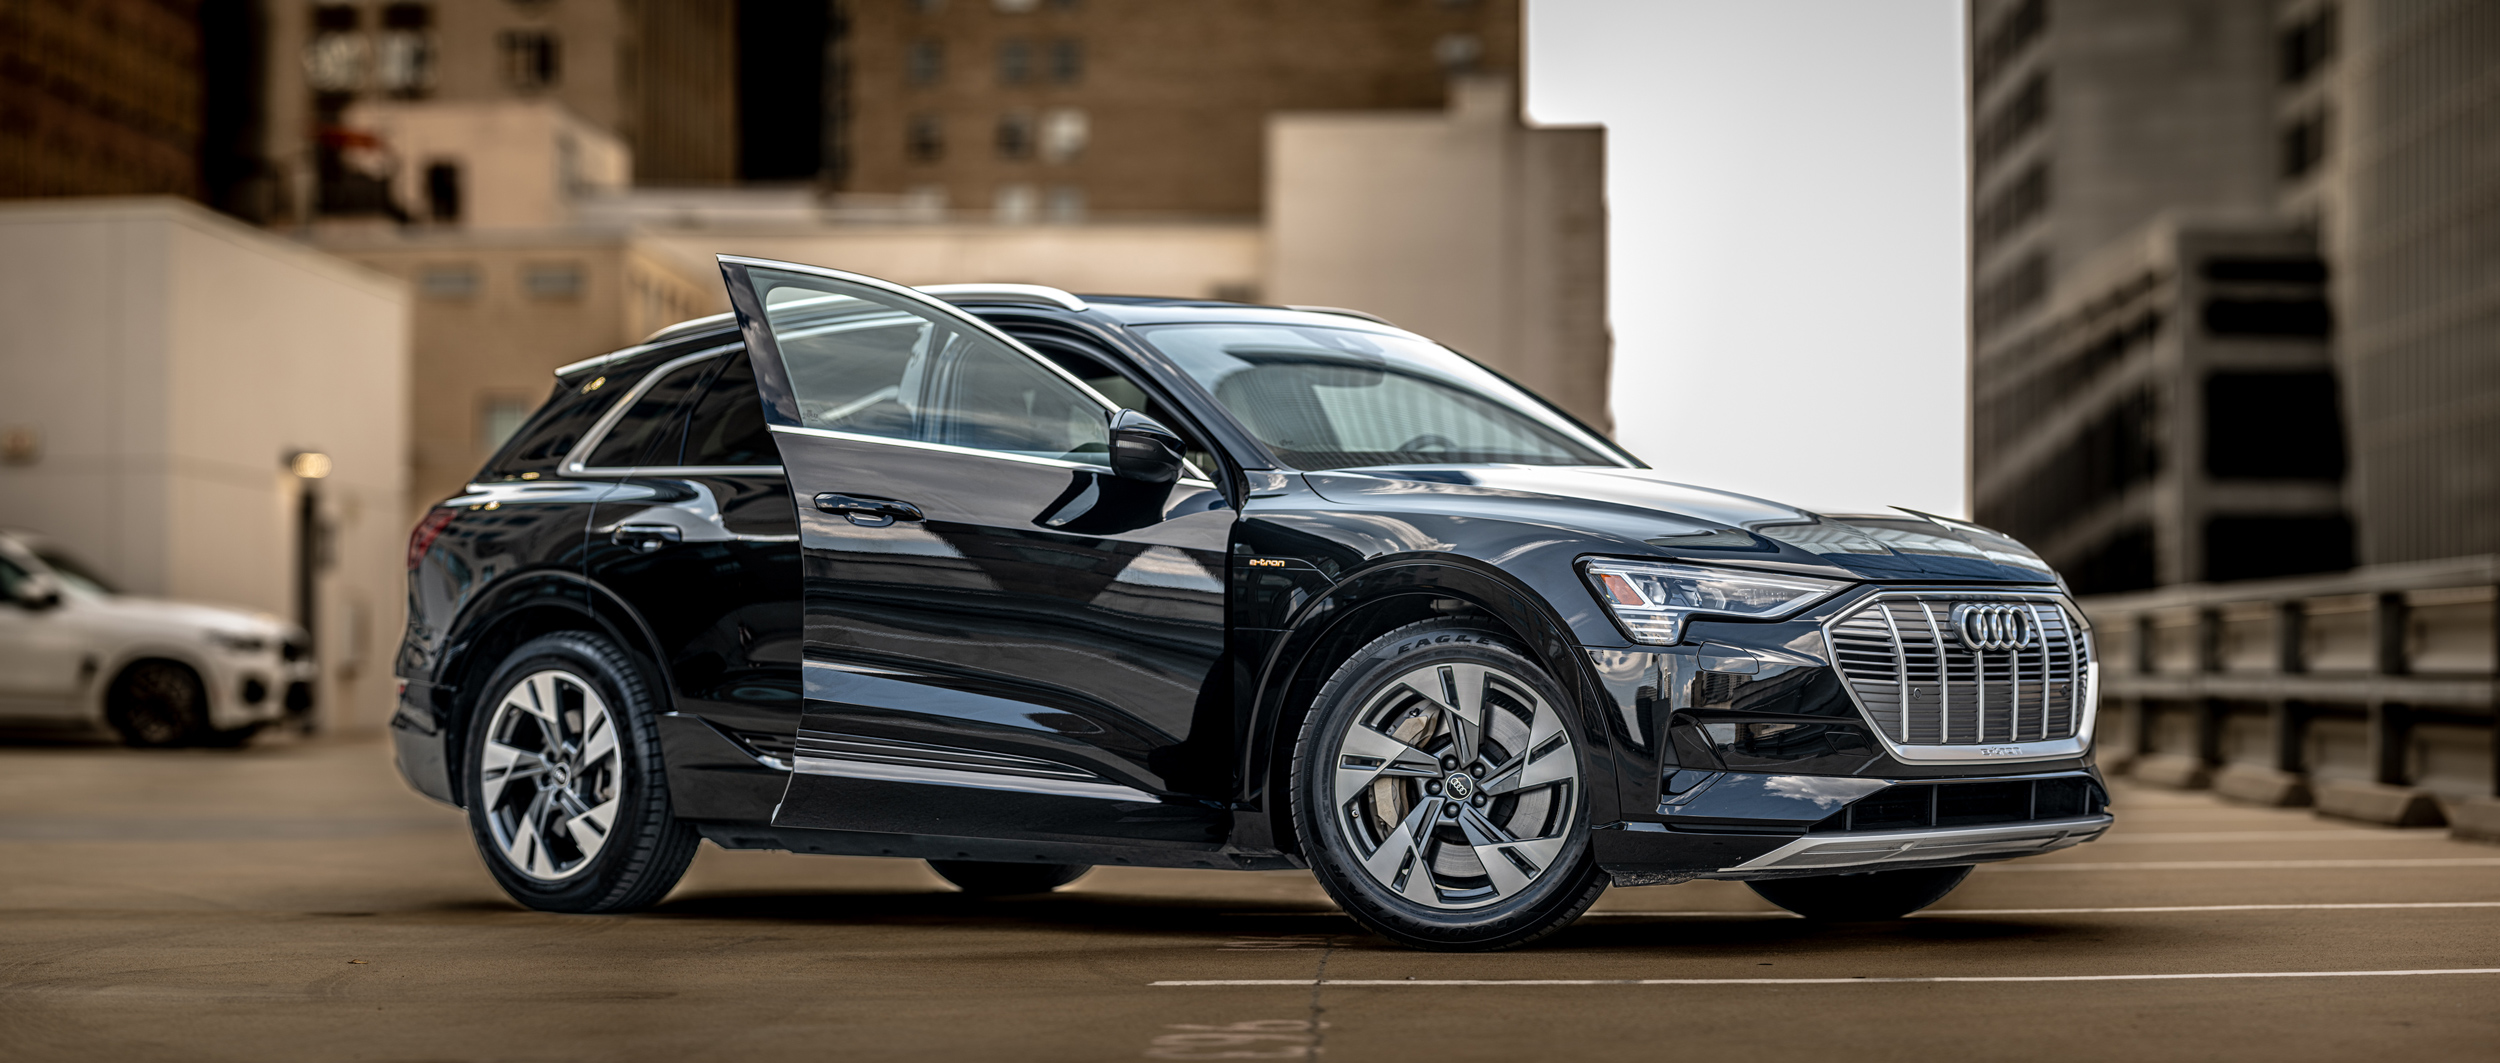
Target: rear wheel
157,705
986,879
1863,897
567,795
1438,792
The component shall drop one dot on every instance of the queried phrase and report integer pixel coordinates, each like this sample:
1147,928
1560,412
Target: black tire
158,705
1560,891
644,849
982,878
1866,897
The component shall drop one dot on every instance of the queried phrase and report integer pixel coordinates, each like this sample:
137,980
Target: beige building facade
1466,225
164,362
495,314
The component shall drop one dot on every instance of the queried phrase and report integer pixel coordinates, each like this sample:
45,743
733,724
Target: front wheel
1862,897
1439,794
567,795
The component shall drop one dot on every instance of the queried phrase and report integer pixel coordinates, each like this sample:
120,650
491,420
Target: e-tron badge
1995,628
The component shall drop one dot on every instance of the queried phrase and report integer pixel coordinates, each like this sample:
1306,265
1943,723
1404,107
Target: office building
2351,140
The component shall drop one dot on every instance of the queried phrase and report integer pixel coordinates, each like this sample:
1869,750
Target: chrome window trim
599,429
2088,700
1199,480
1032,294
943,308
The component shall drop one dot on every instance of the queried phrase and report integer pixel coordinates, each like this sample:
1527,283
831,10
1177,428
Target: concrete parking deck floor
296,902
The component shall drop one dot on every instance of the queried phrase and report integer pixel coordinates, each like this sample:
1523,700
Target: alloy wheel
1456,786
549,776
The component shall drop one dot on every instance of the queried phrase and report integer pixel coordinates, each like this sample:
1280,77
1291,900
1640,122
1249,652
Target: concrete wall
483,353
169,359
1198,260
522,163
1464,225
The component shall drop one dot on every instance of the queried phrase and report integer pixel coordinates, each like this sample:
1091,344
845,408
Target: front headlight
238,643
1652,601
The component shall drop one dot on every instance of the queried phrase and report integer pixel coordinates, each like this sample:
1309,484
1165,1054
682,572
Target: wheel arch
1379,599
542,603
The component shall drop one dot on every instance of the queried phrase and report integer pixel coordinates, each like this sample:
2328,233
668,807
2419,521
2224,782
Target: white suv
75,654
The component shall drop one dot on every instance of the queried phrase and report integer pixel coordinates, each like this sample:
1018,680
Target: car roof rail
691,325
1034,294
1343,312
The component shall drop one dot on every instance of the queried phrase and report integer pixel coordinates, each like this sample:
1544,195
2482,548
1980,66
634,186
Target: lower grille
1964,670
1914,806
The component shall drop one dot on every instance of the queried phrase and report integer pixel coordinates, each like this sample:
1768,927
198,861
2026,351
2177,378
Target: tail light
429,529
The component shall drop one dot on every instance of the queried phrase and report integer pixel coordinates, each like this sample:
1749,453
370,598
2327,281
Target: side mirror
38,591
1143,450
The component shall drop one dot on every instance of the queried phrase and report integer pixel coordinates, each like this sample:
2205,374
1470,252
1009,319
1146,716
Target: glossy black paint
936,607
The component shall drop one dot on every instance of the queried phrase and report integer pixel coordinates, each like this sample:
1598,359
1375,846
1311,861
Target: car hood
1697,522
190,616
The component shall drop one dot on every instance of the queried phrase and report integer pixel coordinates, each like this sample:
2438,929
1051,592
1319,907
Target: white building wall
1466,225
1191,260
169,359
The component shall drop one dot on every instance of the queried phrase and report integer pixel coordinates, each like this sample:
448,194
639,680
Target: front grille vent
1912,662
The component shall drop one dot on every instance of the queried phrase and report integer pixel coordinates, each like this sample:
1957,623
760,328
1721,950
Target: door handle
868,512
645,538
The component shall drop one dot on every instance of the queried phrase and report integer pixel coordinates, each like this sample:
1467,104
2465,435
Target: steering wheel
1427,442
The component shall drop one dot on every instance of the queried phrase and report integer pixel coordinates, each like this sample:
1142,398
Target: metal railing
2384,676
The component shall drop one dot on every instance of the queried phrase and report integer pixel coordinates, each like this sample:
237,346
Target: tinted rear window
549,434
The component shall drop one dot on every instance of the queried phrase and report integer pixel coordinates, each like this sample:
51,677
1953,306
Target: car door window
726,426
653,424
890,369
1125,393
10,577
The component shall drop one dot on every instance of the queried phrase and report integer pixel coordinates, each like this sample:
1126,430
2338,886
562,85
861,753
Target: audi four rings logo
1997,628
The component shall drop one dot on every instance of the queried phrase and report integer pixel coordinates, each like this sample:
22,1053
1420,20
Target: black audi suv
1020,582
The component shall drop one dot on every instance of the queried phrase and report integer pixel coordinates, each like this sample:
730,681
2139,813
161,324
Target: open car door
1004,638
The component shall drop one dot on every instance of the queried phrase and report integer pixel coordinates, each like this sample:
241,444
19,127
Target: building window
531,59
2011,292
1015,62
553,281
924,63
1015,135
1458,53
451,282
2304,145
1016,7
336,57
1066,204
442,191
2012,208
1015,204
1067,61
404,56
2007,42
1065,131
924,138
2306,46
2012,122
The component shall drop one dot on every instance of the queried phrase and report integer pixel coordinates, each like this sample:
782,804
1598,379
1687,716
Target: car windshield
1331,398
74,574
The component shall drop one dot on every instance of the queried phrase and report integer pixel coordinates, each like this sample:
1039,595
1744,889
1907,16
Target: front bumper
1884,850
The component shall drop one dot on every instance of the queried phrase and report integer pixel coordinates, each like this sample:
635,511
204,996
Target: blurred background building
2234,315
549,179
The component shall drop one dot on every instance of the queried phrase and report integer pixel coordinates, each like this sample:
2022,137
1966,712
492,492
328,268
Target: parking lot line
2333,835
1933,912
2246,865
1812,981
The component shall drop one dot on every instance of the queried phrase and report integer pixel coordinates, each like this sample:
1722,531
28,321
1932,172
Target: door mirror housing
1142,449
38,591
